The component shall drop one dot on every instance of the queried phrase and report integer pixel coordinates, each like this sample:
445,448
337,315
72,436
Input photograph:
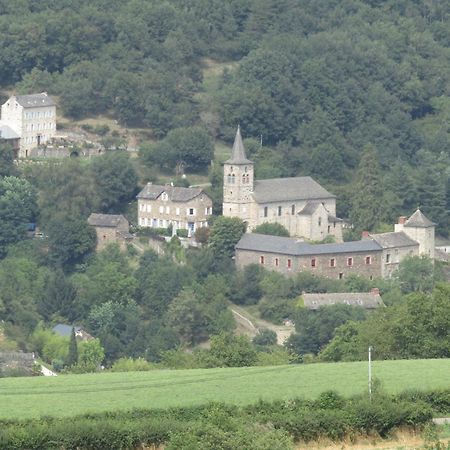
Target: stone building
33,119
289,256
183,208
300,204
367,300
376,255
110,228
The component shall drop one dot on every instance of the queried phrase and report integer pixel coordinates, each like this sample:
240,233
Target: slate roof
64,330
419,220
105,220
394,239
367,300
309,208
35,100
238,151
289,189
176,194
6,132
291,246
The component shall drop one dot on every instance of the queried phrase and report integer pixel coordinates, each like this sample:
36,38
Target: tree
91,356
70,240
182,148
232,351
72,356
17,208
265,337
314,329
416,273
367,201
225,234
274,229
115,180
7,156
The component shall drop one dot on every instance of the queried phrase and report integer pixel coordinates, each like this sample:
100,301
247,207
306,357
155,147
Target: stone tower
237,182
419,228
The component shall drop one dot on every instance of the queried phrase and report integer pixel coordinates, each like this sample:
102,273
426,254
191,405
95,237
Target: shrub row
217,426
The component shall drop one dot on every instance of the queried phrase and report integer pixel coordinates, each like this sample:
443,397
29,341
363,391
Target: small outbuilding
110,228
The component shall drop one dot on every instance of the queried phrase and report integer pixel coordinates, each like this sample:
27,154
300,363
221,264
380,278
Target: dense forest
354,93
317,82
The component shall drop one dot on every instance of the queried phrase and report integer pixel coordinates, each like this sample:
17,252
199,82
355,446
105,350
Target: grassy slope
78,394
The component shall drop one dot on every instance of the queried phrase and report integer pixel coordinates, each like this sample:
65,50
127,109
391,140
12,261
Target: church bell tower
237,181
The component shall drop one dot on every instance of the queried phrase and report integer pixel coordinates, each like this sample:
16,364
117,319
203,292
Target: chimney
402,220
375,291
365,235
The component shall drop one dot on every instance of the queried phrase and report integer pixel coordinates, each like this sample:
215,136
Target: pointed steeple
238,152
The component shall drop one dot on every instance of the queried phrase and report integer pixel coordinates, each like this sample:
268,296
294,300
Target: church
305,208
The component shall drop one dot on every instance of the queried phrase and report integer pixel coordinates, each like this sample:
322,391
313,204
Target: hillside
77,394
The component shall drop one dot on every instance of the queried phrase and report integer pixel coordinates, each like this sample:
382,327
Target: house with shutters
32,118
180,207
304,207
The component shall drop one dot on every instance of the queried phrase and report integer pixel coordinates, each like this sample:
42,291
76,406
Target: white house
32,117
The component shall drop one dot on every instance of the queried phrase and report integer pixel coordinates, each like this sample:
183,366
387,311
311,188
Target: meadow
70,395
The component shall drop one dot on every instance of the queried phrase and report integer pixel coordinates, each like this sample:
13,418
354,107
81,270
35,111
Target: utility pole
370,373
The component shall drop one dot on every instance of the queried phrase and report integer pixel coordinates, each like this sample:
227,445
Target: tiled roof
35,100
289,189
6,132
238,152
367,300
291,246
419,220
105,220
394,239
175,194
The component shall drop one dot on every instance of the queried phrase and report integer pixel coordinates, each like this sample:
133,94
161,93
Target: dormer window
164,196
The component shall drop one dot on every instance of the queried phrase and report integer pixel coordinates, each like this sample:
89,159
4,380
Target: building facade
300,204
376,255
179,207
32,117
110,228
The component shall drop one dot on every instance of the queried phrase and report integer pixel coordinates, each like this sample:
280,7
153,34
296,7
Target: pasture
69,395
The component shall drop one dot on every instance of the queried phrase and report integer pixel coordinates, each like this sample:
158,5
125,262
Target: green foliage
115,180
265,337
416,274
232,351
72,356
7,157
314,329
191,148
413,328
132,365
17,208
274,229
90,357
225,234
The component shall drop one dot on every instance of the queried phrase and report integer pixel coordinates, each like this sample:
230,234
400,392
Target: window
261,259
191,211
279,210
313,262
164,197
349,261
368,260
289,264
319,221
277,261
341,275
332,262
329,228
141,207
161,209
149,208
167,209
388,258
177,211
293,209
232,178
266,211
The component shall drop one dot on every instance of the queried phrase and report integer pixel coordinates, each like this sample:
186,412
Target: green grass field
78,394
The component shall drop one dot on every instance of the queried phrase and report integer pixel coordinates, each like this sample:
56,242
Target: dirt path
249,325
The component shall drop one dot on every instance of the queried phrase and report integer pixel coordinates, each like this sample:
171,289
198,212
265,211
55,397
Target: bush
133,365
265,337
